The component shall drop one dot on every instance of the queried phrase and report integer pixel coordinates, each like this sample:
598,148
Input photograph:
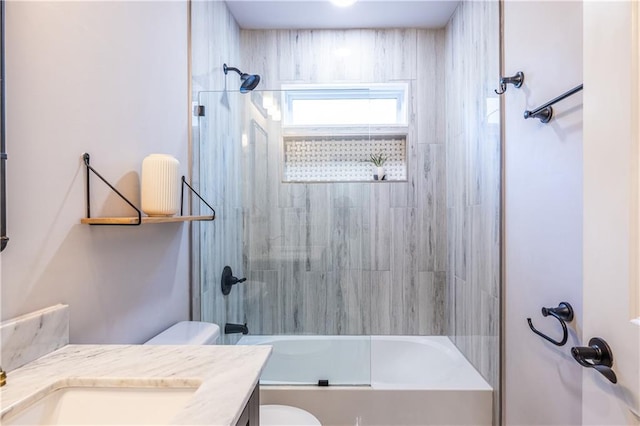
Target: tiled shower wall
217,156
473,184
357,258
347,258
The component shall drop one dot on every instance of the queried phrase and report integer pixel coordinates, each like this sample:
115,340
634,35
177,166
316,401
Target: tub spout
236,328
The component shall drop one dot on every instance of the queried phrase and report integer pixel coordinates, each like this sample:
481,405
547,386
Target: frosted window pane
314,112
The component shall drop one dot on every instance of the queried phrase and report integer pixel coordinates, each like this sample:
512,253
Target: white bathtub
384,362
381,380
421,362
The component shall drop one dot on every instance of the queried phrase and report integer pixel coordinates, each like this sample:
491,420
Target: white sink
80,405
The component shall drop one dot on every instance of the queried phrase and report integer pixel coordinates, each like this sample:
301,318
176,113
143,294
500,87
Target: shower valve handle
228,280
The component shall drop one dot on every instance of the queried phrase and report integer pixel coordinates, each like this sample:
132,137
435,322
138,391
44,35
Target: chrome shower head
249,81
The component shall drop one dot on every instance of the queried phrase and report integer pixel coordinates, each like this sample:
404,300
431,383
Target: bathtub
375,380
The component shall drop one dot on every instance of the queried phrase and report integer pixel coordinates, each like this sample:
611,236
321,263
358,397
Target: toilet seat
283,415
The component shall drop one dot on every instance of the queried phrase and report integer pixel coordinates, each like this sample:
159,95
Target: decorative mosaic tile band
339,159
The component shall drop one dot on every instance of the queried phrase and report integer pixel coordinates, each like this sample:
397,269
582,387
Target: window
331,131
352,105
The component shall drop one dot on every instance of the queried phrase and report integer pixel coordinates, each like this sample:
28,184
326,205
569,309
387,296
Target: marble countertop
226,375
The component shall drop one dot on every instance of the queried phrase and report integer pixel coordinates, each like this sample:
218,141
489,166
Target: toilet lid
281,415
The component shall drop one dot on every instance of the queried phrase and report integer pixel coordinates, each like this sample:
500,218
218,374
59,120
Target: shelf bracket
184,182
86,159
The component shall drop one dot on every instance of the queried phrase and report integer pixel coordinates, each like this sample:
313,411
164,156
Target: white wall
543,211
111,79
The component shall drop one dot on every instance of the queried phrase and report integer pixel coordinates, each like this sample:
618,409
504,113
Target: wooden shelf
145,219
138,219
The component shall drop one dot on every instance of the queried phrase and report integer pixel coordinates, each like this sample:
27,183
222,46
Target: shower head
249,81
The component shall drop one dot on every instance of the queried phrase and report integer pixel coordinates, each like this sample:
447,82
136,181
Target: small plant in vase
378,160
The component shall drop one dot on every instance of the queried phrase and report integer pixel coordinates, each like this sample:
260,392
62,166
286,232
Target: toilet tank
188,333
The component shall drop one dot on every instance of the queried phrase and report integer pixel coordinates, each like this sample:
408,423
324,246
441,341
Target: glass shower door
299,244
295,300
316,360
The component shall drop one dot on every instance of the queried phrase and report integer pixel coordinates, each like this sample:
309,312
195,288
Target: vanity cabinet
251,414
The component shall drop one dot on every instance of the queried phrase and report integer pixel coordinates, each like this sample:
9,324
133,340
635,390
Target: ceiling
322,14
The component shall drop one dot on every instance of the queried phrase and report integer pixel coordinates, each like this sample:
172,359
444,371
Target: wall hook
564,314
598,356
516,80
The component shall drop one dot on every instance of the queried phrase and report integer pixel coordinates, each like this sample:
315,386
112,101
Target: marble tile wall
347,258
473,185
217,157
28,337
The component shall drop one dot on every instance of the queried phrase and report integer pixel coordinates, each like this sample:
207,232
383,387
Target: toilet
204,333
285,415
188,333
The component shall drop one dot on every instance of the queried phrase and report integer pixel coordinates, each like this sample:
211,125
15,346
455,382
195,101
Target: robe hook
516,80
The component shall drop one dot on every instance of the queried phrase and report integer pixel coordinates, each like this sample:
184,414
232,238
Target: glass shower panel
315,360
219,159
304,226
294,216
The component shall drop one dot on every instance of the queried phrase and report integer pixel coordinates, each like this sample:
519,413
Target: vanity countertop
228,375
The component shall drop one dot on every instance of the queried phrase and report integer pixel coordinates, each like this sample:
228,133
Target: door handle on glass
598,356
